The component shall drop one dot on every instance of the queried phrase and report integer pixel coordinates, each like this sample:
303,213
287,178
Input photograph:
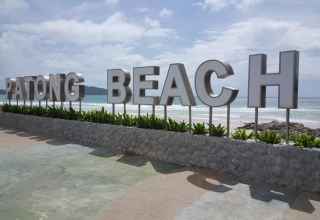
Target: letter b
118,90
286,80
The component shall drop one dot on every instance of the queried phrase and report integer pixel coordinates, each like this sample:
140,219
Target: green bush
5,108
242,134
317,143
218,131
151,122
199,128
306,140
128,120
269,137
172,125
98,116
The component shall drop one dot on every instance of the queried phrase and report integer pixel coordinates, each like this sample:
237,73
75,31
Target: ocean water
308,111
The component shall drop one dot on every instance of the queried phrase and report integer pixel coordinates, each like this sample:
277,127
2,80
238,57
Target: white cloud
161,33
259,35
245,4
13,4
111,2
154,29
25,55
165,13
116,28
83,46
151,22
214,5
143,10
45,47
217,5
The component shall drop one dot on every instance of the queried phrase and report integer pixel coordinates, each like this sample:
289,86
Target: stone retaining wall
253,163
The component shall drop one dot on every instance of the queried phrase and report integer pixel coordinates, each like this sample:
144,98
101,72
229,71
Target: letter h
286,80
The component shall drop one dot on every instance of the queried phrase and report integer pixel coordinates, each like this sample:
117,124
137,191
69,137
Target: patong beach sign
55,87
70,87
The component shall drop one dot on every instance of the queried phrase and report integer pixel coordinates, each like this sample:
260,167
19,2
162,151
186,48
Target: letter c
203,87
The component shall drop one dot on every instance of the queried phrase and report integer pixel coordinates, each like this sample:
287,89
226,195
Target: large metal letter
177,85
56,87
73,87
140,85
41,88
10,88
203,87
286,80
29,87
118,90
20,89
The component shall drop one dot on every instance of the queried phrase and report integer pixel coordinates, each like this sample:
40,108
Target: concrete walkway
50,179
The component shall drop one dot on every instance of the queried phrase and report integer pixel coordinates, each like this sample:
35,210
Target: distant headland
92,90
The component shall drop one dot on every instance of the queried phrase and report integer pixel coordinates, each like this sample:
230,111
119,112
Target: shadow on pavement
48,140
296,200
202,178
128,158
161,167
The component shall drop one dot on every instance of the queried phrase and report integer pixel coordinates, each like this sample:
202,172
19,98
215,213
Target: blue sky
42,36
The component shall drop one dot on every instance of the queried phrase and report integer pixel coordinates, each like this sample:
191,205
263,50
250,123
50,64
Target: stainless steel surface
118,86
286,80
177,85
74,87
256,115
141,85
204,89
56,87
228,120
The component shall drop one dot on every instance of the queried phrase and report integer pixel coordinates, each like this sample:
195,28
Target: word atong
55,87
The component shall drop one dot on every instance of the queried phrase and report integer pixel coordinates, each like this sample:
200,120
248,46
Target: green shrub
54,112
317,143
199,128
305,140
96,116
217,131
38,111
242,134
99,116
269,137
172,125
11,108
5,108
128,120
151,122
118,118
